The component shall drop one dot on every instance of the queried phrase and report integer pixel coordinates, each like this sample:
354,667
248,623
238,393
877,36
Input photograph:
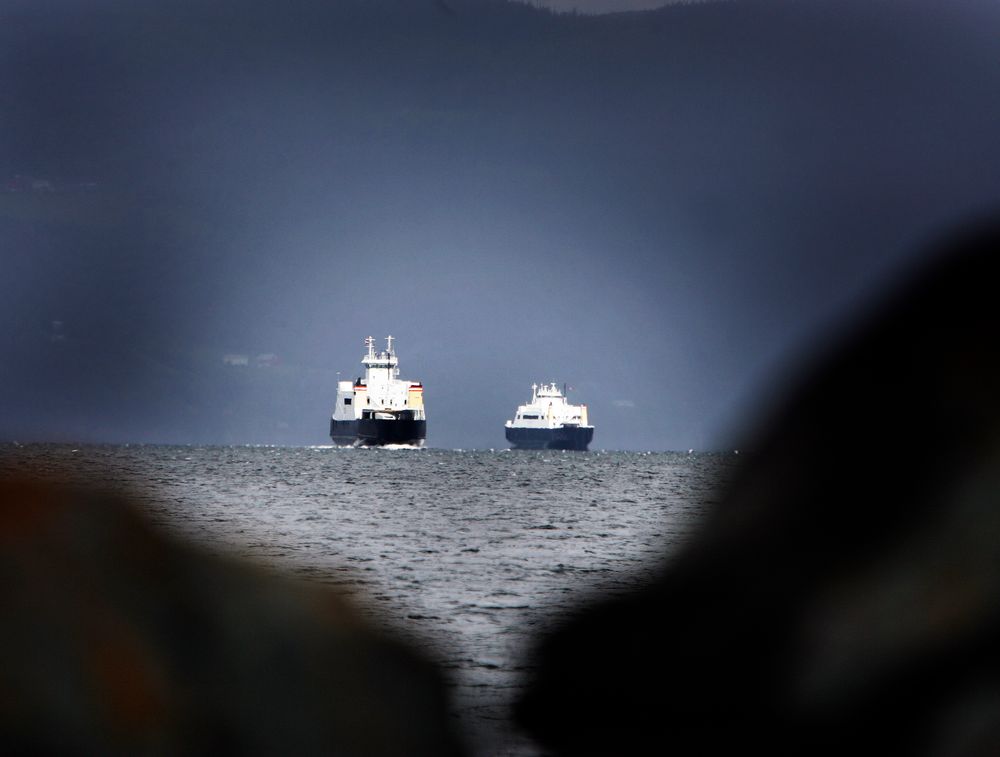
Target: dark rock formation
845,596
115,638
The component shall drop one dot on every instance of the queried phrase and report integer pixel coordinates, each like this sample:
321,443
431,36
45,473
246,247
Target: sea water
469,555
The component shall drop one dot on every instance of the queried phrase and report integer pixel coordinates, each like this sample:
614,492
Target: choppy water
468,554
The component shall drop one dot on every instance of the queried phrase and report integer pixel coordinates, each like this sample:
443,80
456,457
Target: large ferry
549,422
380,408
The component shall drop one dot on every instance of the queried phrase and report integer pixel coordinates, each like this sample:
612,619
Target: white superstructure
380,408
548,409
549,422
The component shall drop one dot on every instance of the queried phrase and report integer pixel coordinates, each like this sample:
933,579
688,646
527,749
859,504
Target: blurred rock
844,598
116,638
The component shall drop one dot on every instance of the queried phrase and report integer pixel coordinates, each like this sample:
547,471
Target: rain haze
206,207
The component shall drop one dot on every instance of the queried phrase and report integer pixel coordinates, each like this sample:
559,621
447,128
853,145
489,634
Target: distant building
267,360
16,183
42,185
19,183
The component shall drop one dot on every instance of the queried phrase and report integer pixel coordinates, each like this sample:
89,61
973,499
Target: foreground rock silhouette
117,639
844,597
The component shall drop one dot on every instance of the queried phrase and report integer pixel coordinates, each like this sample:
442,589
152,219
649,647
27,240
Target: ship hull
565,437
374,432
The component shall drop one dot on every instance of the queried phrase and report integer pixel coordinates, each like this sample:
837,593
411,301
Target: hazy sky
663,210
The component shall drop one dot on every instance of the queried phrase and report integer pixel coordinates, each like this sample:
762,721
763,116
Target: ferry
549,422
380,408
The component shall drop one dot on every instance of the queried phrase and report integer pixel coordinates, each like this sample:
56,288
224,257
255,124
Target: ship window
530,417
347,400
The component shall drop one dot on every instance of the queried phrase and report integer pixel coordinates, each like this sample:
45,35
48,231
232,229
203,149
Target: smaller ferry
380,408
549,422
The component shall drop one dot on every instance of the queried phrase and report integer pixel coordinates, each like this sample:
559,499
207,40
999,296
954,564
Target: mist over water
468,555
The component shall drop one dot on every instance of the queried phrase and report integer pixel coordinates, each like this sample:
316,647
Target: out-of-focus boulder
844,597
117,638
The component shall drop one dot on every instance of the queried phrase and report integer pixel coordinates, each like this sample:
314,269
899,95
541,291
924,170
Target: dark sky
663,209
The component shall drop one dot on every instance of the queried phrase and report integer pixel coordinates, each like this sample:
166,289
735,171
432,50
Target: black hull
567,437
373,432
